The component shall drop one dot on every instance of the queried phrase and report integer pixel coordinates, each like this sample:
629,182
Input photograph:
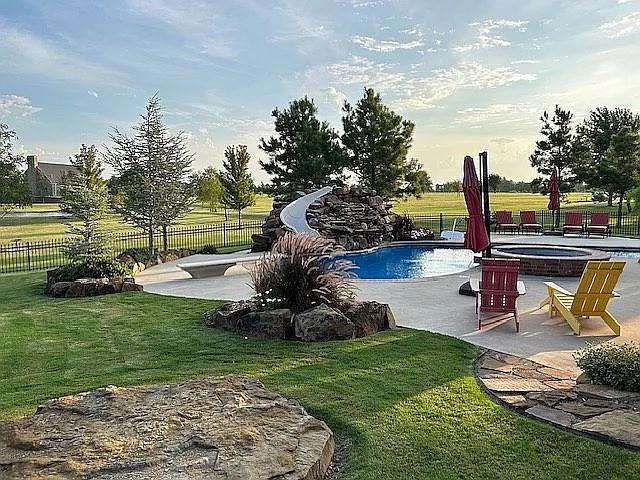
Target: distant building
45,179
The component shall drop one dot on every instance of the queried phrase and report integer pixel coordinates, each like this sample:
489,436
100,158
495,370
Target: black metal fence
27,256
627,226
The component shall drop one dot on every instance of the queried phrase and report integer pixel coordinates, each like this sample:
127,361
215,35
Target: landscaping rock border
319,323
220,427
560,398
91,287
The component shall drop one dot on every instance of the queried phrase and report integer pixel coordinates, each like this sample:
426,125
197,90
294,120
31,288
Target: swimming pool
624,254
410,261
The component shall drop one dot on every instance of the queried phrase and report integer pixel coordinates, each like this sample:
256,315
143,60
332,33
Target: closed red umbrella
554,197
476,237
554,191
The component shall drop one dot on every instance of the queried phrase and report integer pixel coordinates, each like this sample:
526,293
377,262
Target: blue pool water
622,254
410,262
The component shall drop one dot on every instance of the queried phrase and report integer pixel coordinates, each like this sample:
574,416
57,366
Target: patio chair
573,223
599,224
499,289
529,222
591,298
504,221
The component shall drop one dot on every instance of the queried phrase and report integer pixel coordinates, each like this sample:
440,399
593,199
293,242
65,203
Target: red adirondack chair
504,221
572,223
499,289
599,224
529,222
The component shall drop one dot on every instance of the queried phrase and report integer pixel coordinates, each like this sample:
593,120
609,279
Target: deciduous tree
377,141
14,191
237,184
623,158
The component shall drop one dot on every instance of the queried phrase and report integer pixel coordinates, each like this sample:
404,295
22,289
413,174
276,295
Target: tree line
602,153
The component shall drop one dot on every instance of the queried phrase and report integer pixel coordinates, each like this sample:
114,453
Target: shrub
140,255
303,272
611,364
208,250
93,268
268,301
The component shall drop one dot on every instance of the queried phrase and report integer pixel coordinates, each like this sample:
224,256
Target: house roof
54,171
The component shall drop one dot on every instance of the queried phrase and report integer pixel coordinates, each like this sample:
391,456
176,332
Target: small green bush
95,268
611,364
140,255
208,250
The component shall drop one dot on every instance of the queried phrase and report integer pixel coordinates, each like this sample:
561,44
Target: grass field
34,229
406,400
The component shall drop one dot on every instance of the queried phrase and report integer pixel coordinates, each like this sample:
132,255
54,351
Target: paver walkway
554,396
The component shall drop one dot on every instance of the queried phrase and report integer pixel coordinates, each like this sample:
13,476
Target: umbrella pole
484,171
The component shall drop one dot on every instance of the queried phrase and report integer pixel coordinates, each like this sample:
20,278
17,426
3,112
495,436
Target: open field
34,229
406,400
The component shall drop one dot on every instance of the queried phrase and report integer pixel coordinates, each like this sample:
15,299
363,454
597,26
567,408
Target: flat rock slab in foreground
227,427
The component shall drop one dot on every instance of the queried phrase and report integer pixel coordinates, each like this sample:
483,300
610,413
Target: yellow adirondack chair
591,298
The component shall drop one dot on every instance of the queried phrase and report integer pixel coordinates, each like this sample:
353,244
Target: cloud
299,24
198,23
622,26
424,93
335,98
487,38
93,93
22,52
16,106
502,140
384,46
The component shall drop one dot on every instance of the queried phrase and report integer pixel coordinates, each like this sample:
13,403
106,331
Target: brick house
45,179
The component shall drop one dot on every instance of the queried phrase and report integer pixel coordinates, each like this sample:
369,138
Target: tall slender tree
305,153
556,149
86,198
152,167
377,141
237,184
14,191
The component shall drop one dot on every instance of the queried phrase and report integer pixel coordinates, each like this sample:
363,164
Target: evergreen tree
557,149
306,153
85,197
595,135
377,140
14,191
623,158
152,167
237,184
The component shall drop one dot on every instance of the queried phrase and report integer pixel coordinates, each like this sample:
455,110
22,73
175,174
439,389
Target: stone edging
558,397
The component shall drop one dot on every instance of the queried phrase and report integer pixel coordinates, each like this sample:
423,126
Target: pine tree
306,153
152,167
595,134
85,197
377,141
557,149
14,191
237,184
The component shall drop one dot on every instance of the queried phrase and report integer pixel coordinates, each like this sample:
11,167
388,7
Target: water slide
294,215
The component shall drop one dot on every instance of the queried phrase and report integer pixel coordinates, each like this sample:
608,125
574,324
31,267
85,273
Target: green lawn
406,399
34,229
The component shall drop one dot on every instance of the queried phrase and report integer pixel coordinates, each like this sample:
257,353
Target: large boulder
228,315
370,317
224,427
269,323
323,323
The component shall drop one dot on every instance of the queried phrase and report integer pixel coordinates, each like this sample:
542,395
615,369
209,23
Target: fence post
224,234
441,223
28,256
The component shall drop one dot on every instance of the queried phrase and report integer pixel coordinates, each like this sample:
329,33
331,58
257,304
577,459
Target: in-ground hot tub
549,260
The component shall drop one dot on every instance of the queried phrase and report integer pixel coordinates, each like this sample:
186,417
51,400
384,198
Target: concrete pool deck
434,304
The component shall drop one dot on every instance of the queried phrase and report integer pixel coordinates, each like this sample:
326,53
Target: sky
472,75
